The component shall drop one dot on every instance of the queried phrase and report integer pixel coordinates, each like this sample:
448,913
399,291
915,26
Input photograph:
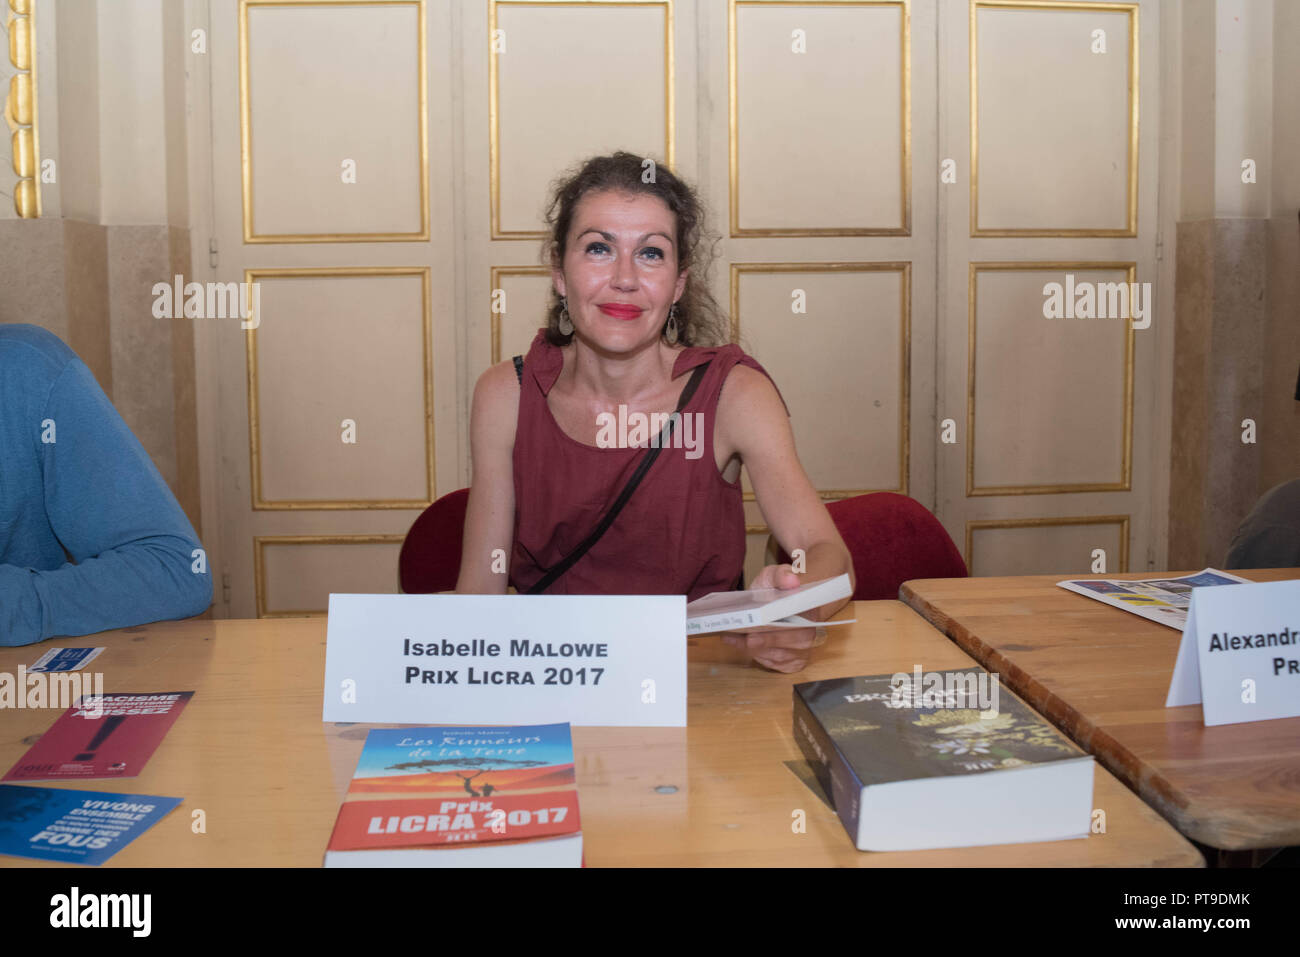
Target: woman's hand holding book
787,650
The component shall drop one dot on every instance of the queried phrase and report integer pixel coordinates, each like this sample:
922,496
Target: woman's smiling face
619,274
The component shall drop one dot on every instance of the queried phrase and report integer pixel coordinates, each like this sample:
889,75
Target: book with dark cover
907,766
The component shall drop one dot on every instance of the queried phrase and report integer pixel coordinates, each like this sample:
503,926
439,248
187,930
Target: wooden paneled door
381,171
332,158
1048,114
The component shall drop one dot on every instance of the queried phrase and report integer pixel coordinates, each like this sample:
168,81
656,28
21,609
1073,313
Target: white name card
1240,653
616,660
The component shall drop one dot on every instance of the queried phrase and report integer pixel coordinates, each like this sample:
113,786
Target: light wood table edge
214,652
1152,789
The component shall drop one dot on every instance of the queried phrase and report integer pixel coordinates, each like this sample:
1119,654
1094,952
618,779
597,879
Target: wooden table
250,750
1101,675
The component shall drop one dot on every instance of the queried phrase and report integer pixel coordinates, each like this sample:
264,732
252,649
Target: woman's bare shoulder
747,390
496,401
749,408
496,378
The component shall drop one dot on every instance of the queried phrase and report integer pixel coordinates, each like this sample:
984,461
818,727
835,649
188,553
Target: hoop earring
670,331
565,323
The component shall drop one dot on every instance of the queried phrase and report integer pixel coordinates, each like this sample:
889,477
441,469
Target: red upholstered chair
430,556
892,539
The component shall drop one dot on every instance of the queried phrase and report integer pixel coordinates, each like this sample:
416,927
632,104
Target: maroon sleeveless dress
681,533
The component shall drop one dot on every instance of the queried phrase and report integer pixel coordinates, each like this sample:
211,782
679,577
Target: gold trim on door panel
494,112
246,132
905,82
1132,10
254,435
1121,520
498,272
1125,484
259,563
905,377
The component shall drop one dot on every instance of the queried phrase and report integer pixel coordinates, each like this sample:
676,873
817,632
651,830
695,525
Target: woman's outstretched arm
755,424
490,513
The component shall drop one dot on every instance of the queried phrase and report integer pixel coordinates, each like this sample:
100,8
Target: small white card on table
617,660
1240,653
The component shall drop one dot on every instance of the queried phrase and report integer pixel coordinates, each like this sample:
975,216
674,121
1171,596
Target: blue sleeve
133,547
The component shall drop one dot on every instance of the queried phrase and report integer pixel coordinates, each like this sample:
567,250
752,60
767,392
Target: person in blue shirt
91,537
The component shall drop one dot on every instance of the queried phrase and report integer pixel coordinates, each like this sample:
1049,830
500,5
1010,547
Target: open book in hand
765,609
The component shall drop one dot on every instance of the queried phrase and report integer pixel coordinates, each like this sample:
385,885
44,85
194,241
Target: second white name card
506,659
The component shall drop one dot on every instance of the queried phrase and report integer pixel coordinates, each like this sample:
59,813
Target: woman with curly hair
633,334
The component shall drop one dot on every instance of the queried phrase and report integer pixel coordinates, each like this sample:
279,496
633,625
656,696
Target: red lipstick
620,310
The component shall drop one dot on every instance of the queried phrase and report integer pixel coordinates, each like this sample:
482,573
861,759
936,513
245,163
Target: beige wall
1237,341
77,101
111,98
1280,449
118,83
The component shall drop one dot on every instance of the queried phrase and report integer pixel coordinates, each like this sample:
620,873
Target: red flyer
102,736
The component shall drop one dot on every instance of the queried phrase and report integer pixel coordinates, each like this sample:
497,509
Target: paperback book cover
908,767
102,736
1163,600
74,827
453,786
764,609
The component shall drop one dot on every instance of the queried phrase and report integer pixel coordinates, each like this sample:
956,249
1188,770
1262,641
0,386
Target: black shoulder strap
519,369
647,460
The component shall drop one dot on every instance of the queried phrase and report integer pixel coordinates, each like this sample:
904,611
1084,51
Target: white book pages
727,611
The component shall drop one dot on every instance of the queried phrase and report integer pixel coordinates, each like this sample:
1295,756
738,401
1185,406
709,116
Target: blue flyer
66,659
74,827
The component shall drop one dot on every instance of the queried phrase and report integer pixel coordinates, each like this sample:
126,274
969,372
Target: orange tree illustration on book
459,767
